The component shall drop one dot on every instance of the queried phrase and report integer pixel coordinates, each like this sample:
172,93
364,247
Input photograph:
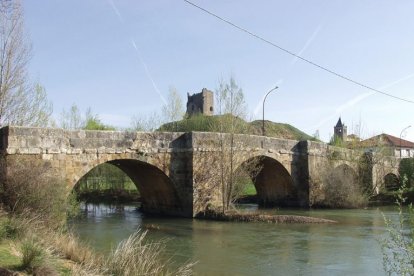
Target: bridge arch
273,182
158,192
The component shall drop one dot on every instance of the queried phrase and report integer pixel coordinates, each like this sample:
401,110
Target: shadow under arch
391,182
274,184
158,193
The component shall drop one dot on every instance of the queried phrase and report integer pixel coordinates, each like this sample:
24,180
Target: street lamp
263,124
404,129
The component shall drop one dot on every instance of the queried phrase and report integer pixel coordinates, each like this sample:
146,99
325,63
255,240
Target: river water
349,247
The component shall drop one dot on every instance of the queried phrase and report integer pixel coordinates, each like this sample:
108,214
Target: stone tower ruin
201,103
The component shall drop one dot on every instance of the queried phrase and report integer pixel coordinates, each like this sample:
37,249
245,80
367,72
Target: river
349,247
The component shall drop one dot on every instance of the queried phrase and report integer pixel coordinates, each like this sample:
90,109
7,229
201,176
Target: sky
121,58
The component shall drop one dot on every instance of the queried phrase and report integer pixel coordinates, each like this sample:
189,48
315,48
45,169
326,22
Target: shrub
36,191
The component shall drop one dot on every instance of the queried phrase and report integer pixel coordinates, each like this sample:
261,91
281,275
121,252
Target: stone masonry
174,171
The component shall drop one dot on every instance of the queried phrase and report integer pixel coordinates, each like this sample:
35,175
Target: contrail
134,45
121,19
307,44
147,71
359,98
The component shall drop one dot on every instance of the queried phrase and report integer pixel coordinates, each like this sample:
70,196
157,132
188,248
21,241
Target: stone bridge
176,173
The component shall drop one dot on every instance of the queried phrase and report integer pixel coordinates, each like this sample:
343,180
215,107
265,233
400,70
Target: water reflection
347,247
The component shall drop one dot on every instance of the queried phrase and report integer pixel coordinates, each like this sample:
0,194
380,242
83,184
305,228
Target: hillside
212,124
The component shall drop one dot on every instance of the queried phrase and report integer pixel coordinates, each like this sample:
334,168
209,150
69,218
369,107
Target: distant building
340,131
391,144
202,102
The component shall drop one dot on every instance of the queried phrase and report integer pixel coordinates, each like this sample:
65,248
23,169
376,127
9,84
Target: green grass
212,124
249,190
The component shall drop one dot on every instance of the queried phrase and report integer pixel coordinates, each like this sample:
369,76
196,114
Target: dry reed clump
134,256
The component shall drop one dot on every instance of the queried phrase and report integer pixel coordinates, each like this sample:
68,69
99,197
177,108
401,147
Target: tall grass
33,255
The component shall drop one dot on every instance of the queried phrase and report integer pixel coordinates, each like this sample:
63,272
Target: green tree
406,171
21,102
92,122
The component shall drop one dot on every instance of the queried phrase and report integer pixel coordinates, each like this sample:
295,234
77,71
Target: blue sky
121,57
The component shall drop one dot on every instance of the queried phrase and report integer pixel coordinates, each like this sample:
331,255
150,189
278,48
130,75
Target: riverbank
28,247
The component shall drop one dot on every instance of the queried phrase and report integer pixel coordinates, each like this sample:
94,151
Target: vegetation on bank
34,238
398,245
106,182
212,124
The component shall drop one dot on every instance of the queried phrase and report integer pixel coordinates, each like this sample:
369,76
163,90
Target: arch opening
157,192
272,182
106,183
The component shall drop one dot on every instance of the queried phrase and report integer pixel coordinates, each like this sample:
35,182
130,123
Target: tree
231,106
71,119
145,123
173,110
92,122
21,103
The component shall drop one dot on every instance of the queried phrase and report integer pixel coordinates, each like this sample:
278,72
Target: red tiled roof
386,139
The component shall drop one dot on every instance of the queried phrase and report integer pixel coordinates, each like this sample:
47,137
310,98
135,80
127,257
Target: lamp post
264,100
404,129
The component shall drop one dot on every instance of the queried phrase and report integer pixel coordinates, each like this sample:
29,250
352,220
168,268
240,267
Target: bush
36,192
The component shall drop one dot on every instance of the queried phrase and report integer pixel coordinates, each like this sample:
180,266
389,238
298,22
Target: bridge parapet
23,140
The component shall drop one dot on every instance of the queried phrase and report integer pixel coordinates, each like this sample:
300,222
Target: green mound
227,123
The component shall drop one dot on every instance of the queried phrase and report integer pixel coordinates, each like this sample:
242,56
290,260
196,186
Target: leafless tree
173,110
21,103
232,108
145,122
71,119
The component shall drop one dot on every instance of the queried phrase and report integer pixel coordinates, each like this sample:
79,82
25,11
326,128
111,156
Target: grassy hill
212,124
